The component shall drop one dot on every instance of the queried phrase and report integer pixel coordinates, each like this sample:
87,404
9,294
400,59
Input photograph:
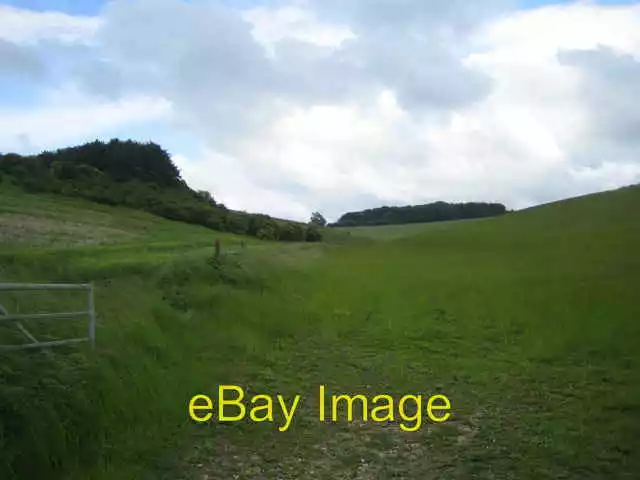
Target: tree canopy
317,219
432,212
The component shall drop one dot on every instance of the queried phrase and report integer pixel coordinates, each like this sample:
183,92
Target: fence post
217,254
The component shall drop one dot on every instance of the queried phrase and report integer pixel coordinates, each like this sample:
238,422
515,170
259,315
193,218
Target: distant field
528,322
391,232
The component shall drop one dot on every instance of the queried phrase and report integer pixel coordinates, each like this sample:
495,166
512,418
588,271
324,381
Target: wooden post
217,254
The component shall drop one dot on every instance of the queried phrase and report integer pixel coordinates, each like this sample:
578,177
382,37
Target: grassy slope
527,322
392,232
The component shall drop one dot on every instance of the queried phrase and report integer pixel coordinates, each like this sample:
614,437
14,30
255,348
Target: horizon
333,221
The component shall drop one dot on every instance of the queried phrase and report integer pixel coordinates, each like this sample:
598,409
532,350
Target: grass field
392,232
527,322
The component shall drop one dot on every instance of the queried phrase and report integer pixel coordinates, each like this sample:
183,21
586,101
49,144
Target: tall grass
527,322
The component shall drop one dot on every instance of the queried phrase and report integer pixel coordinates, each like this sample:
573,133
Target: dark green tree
317,219
432,212
205,196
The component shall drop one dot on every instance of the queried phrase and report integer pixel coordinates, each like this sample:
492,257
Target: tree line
431,212
141,176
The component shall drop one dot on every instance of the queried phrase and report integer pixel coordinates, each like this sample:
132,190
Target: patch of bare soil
340,451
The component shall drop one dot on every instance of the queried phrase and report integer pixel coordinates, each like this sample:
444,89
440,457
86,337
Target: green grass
527,322
392,232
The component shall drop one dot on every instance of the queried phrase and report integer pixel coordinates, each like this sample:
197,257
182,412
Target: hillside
527,322
140,176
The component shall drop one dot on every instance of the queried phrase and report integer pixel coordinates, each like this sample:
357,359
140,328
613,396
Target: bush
292,232
268,231
313,234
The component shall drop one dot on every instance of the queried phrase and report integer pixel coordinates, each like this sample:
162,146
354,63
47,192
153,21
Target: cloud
537,136
270,26
201,56
399,15
20,61
225,66
69,117
608,82
325,105
29,27
570,70
232,185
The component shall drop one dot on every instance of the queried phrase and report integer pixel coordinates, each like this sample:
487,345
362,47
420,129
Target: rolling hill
527,322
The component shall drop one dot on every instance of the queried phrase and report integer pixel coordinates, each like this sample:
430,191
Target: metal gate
17,319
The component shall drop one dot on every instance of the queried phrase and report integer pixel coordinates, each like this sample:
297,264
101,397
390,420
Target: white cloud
273,25
25,26
539,92
534,36
231,184
20,60
67,118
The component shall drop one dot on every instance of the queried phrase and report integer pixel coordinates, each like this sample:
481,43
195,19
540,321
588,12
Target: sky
292,106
